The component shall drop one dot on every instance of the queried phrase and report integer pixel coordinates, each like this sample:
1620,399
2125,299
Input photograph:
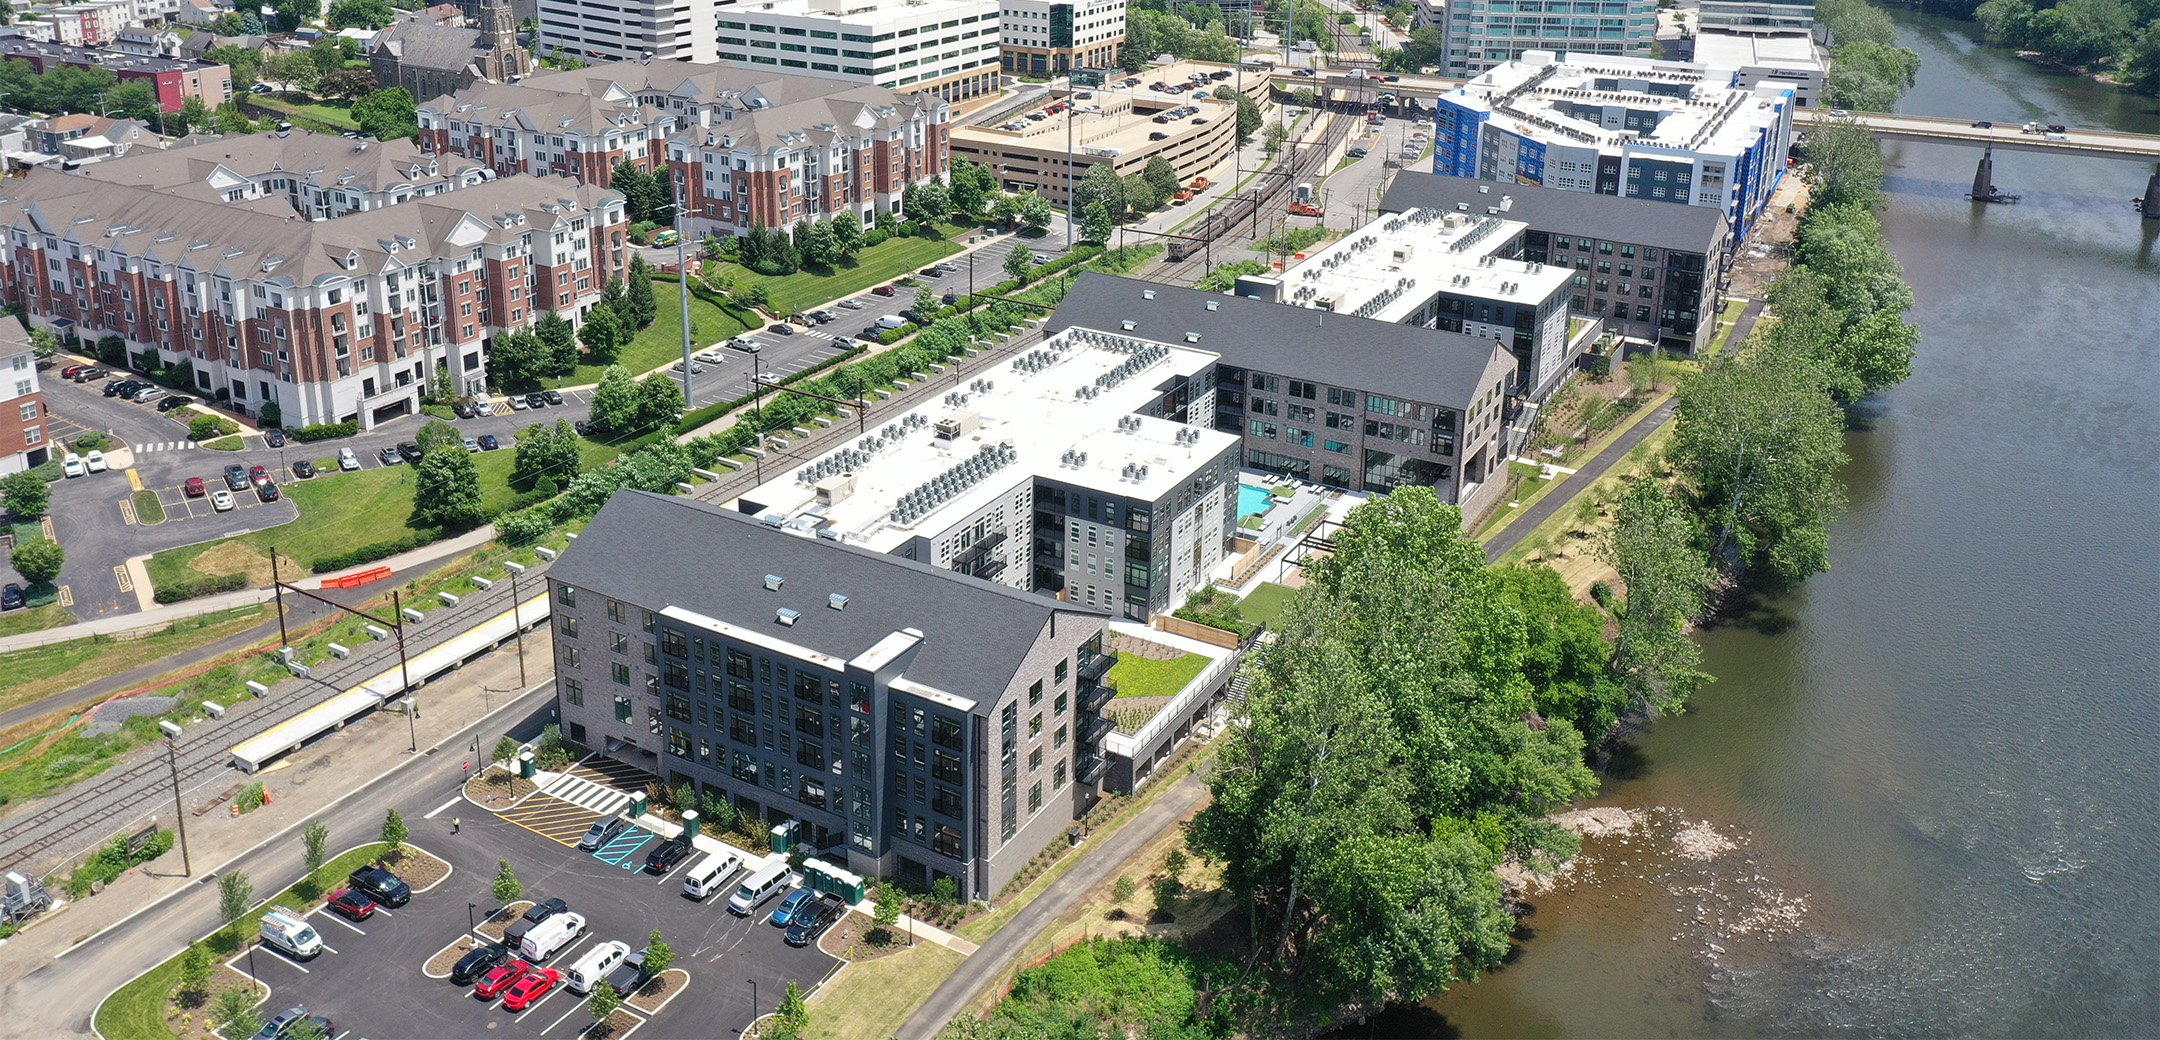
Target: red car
532,987
258,476
884,290
69,372
352,904
194,487
499,978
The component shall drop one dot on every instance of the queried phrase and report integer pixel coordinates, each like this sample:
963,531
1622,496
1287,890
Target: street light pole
753,1000
412,710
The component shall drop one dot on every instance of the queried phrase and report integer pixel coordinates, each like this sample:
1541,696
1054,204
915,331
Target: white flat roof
1734,50
1041,415
1390,267
1582,103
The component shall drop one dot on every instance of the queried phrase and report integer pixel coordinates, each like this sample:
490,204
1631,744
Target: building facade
1645,271
1479,35
431,57
22,404
945,48
1054,37
628,30
1759,16
303,321
1335,399
910,720
1665,131
1118,130
173,80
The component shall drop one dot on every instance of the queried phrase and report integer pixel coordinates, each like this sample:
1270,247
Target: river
1920,798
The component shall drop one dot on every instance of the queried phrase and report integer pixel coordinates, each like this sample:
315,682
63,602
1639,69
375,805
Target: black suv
11,598
475,964
812,921
236,478
540,911
668,856
410,450
381,886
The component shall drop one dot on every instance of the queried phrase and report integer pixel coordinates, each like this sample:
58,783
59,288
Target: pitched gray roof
1644,222
658,551
1447,368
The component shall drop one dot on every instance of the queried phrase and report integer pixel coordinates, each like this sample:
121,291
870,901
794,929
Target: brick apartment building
752,146
173,79
298,320
22,404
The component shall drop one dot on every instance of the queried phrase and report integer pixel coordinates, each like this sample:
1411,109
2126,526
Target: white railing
1169,714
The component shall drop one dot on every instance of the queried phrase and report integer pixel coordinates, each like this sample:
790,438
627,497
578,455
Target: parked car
472,444
71,465
222,501
11,598
69,371
844,342
303,469
884,290
381,885
744,344
352,904
409,451
811,921
823,315
346,460
484,407
781,329
536,401
91,375
851,304
1158,136
584,428
1041,259
170,403
485,958
794,901
287,1022
518,404
95,462
147,394
552,397
236,477
534,985
193,487
388,456
266,491
258,476
463,409
274,437
603,830
537,913
499,978
121,387
695,368
488,442
668,856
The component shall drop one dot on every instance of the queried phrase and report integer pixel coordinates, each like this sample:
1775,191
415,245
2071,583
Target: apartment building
628,30
542,130
1646,270
1054,37
1759,16
302,321
1665,131
912,720
317,176
1071,473
174,80
1479,35
22,404
945,48
1354,402
1787,59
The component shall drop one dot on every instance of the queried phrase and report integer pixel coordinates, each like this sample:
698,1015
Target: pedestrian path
579,791
141,449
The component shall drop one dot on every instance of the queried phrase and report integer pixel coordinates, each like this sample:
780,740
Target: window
566,595
570,627
1064,668
614,611
738,664
947,842
573,692
619,642
1035,693
1035,798
673,644
945,731
945,766
1059,705
572,656
945,801
1058,739
622,708
622,673
1057,776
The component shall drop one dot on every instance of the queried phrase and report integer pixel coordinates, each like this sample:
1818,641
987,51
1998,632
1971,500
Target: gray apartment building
918,722
1647,270
1340,400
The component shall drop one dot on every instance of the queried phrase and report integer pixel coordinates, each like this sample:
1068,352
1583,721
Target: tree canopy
446,489
387,114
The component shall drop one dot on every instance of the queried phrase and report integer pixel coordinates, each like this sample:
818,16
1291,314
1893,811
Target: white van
550,935
706,878
288,932
591,969
757,887
891,321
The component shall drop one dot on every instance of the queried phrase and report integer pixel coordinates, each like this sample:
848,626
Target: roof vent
1212,305
1147,294
1130,325
1192,337
836,601
772,582
787,616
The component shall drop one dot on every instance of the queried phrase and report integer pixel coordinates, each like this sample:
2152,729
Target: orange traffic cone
266,796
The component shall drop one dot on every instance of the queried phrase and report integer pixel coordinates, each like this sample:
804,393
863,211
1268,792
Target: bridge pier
2149,207
1984,176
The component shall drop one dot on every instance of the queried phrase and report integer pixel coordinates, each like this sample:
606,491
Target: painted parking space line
620,851
126,580
437,811
574,1009
342,921
67,595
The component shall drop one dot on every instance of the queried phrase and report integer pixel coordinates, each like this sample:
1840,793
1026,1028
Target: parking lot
369,980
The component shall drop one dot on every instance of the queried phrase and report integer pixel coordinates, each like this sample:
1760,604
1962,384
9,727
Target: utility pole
516,601
412,710
172,761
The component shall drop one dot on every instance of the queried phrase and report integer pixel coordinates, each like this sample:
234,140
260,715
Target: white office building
1758,16
1779,59
626,30
947,48
1484,34
1053,37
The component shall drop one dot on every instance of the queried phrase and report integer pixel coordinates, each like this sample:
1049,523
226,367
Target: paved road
995,959
1560,497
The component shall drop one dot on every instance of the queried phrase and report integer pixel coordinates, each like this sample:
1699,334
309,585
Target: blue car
789,906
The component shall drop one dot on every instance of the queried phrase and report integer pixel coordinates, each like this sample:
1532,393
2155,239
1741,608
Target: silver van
550,935
707,877
593,968
757,887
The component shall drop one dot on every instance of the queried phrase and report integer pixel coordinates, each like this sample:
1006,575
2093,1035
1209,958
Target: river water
1920,798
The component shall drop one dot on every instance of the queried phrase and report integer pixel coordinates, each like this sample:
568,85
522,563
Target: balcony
1098,666
1093,730
1088,766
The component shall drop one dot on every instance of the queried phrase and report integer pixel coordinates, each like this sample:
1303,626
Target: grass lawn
1266,602
1137,676
34,619
137,1010
26,675
1555,541
148,509
224,444
333,113
874,998
661,342
806,290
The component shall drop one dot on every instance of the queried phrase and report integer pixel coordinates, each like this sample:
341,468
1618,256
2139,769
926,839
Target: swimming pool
1251,500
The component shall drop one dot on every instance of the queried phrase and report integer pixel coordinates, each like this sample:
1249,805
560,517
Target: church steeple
499,35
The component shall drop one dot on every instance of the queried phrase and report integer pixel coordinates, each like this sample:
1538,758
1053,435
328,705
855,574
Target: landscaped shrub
325,431
208,427
175,591
376,551
112,860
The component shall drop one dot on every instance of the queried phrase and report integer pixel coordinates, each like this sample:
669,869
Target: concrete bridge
2088,144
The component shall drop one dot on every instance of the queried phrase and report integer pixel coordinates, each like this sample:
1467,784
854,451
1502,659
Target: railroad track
107,803
1270,192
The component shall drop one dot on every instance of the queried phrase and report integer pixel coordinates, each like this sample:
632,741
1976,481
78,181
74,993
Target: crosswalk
582,792
141,449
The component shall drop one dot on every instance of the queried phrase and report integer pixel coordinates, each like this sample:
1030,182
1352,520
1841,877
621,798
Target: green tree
1653,544
506,750
293,69
359,14
26,494
1273,137
394,831
1248,117
196,967
888,910
603,1002
926,202
387,115
846,233
1758,444
820,248
615,407
1019,264
38,561
134,99
1166,891
1161,176
1141,195
1174,864
1122,891
602,333
1101,185
328,54
972,185
659,956
506,888
288,15
346,85
641,307
1844,166
560,339
660,398
642,193
235,1013
1035,212
518,359
315,845
1095,223
435,432
235,895
789,1018
545,453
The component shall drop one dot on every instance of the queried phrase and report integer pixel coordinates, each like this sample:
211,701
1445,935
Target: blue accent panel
1530,162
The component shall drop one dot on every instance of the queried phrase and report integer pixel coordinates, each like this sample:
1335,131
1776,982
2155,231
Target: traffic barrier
357,578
